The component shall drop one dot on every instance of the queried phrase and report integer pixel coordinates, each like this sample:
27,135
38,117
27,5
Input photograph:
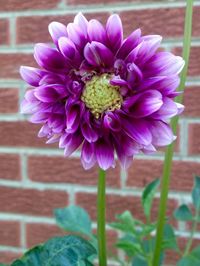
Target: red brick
67,171
10,166
194,140
144,171
35,28
14,5
117,204
10,64
191,102
21,134
151,21
194,62
38,233
30,201
10,233
8,256
4,31
8,100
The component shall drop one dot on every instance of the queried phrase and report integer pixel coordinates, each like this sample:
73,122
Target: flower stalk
170,149
101,218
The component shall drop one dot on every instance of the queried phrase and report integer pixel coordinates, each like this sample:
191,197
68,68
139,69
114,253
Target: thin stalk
170,149
101,218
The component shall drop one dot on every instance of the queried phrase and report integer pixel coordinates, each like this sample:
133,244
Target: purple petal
114,31
96,31
165,64
82,22
39,117
112,121
49,58
31,75
149,149
44,131
162,134
57,30
70,142
97,54
104,154
129,44
55,138
67,47
167,110
73,118
76,35
134,75
148,103
137,130
29,107
88,155
88,132
50,93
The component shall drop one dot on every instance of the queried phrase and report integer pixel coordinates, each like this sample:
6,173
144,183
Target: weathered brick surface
142,172
10,166
30,201
10,64
9,100
117,204
41,170
9,256
39,233
10,233
14,5
194,64
191,102
35,29
21,134
4,31
194,140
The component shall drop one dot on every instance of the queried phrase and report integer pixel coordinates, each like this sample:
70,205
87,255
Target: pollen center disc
100,96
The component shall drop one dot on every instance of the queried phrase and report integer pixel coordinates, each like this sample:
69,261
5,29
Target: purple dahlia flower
103,93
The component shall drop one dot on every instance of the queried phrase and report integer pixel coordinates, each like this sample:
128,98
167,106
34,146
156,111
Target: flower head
103,93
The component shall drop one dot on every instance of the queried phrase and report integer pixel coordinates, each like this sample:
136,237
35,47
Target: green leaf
138,261
58,251
169,239
192,259
183,213
2,264
74,219
196,193
126,223
148,195
131,248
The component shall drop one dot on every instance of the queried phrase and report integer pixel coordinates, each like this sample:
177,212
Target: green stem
101,215
170,149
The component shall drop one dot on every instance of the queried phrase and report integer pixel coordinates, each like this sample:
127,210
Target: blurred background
35,178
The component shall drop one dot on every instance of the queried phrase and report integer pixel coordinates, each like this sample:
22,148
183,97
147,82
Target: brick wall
34,177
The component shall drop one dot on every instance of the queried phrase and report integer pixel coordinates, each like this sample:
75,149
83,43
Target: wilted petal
96,31
114,31
88,155
162,134
104,154
98,54
57,30
49,58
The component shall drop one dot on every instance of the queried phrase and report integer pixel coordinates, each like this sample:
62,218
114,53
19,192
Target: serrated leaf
74,219
196,193
183,213
58,251
148,195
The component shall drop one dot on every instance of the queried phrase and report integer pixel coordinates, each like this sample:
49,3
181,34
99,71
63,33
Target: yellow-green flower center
100,96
